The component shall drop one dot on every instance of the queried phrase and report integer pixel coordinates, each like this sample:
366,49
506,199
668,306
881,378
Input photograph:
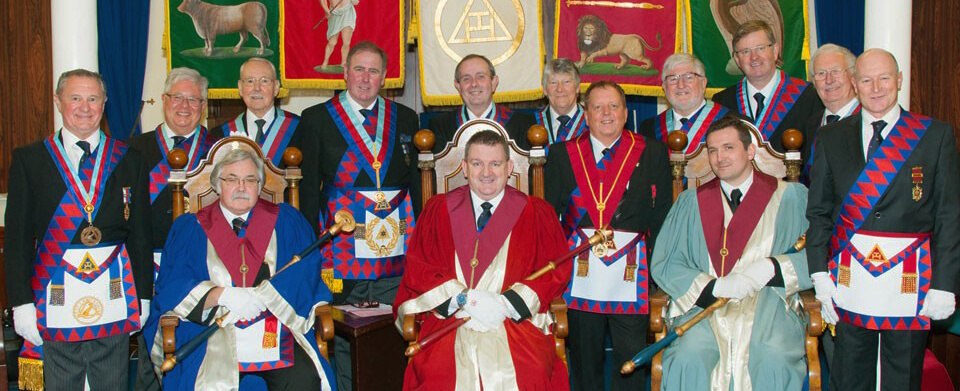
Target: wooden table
377,361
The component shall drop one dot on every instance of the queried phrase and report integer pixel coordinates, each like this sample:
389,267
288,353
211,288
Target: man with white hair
77,247
267,125
684,82
563,116
184,101
227,258
831,68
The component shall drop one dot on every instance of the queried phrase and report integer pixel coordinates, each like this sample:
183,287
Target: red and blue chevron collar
784,97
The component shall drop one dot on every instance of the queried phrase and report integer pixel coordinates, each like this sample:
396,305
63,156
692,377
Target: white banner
508,32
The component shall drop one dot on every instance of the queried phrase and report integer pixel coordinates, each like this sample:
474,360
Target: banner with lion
625,41
216,36
712,23
317,34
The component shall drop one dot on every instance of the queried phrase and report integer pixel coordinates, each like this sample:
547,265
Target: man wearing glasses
774,100
184,100
230,259
563,116
832,71
684,84
270,127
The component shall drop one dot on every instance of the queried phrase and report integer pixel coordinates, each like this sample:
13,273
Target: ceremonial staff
599,238
343,222
646,355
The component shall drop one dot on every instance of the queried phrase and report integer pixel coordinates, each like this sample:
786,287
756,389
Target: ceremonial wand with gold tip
647,354
343,222
597,239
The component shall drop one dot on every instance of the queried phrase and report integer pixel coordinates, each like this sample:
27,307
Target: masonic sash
384,214
784,97
695,128
499,114
573,129
276,136
195,151
885,288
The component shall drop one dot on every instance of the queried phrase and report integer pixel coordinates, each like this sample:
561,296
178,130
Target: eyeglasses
761,49
234,181
179,98
251,81
822,74
688,77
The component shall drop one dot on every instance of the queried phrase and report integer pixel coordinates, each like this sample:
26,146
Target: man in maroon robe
469,257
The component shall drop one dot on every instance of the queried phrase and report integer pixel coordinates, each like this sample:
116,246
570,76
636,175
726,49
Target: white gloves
938,305
25,323
242,303
144,311
735,286
485,309
826,292
760,271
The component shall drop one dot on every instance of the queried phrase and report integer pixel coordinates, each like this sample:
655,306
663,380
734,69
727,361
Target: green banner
224,23
713,22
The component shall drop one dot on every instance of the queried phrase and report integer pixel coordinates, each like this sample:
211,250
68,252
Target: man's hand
486,309
735,286
760,271
25,323
939,304
241,302
826,291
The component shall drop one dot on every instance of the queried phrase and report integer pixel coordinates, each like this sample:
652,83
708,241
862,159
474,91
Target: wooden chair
442,172
694,169
279,185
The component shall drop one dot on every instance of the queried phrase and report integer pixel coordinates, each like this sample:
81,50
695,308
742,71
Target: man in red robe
468,257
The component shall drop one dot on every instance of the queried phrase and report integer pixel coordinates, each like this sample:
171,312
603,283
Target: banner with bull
316,35
216,36
712,24
625,41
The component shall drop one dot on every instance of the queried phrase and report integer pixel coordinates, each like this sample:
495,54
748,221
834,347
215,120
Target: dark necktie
683,121
368,124
832,118
759,98
237,225
735,196
178,141
85,146
260,123
563,120
484,216
877,137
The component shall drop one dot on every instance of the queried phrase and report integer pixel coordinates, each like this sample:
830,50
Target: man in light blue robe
712,245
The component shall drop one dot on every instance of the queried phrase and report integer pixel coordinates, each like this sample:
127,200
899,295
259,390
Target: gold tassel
269,340
583,266
115,291
630,273
335,284
844,278
31,374
908,283
56,295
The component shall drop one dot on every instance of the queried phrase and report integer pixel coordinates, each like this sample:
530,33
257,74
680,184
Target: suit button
877,215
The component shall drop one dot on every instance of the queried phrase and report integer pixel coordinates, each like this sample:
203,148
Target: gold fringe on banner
31,374
335,284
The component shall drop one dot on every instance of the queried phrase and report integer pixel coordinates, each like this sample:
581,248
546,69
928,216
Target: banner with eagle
625,41
712,24
508,32
316,35
216,36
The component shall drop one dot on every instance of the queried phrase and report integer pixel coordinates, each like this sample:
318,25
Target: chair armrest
323,328
659,300
811,306
168,329
561,328
411,329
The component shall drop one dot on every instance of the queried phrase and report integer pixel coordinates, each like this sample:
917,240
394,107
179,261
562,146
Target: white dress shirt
744,187
74,153
251,125
676,116
230,216
477,201
767,92
486,112
356,106
555,119
168,134
867,128
844,111
598,147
